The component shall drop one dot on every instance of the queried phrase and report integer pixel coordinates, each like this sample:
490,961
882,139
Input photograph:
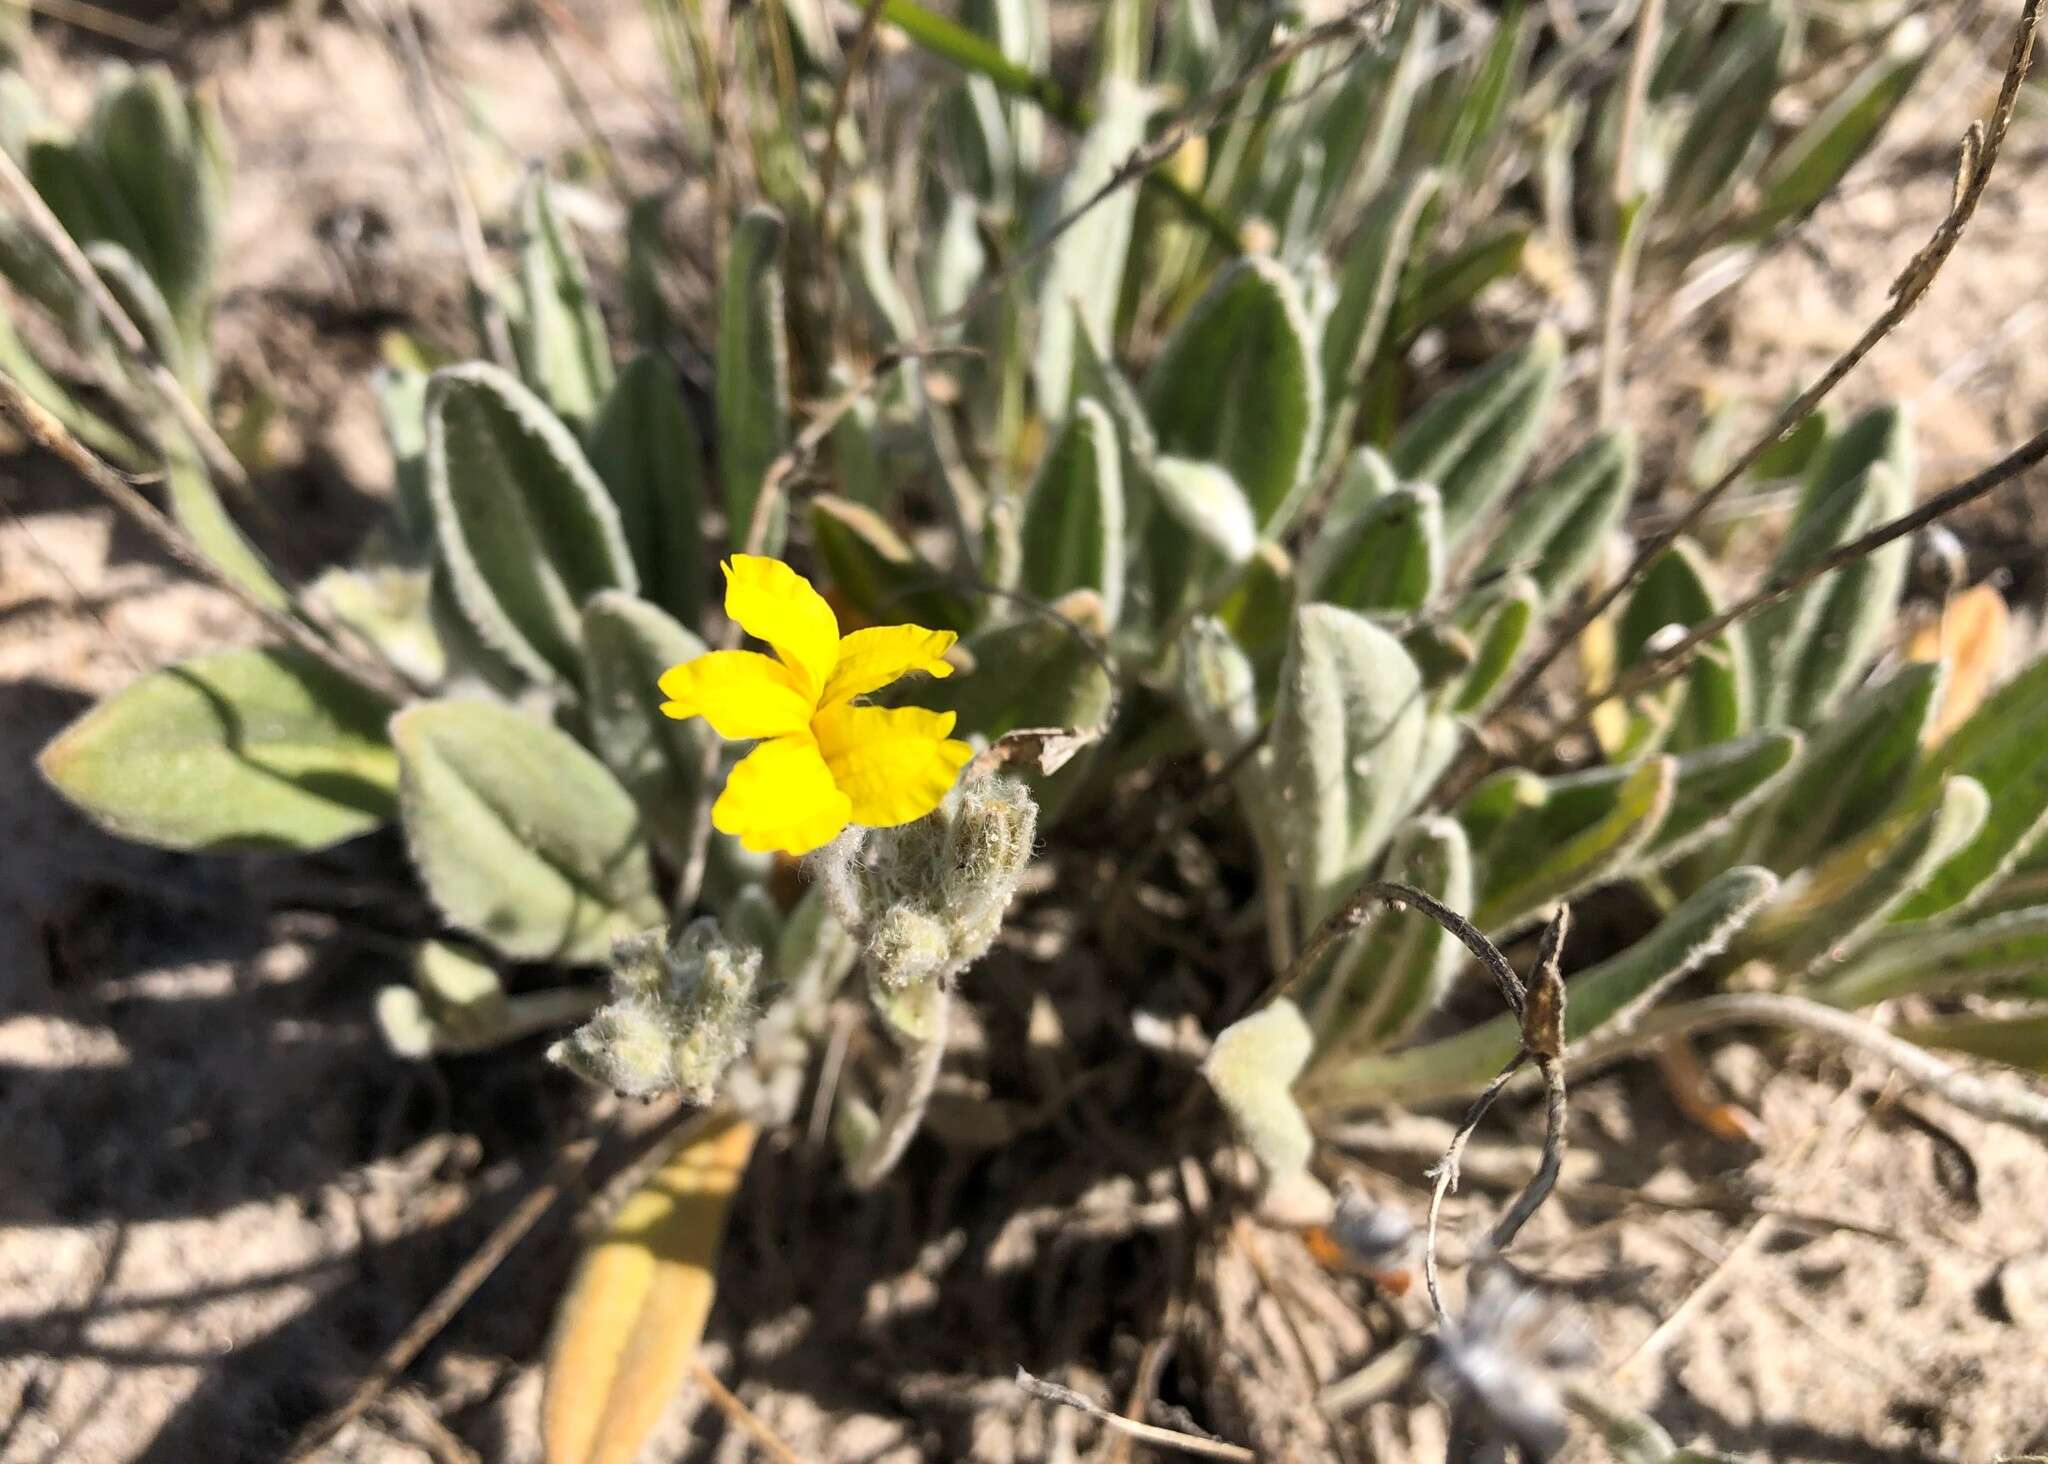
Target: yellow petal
871,659
772,602
895,765
781,796
740,693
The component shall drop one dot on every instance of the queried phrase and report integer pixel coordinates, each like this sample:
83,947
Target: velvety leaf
1473,440
1862,884
1252,1065
1373,265
1589,829
256,749
1676,590
1856,765
627,645
1627,983
1816,158
1346,732
1398,968
526,530
564,353
1074,519
1939,959
522,838
644,446
1083,272
1558,526
877,573
753,378
1388,557
1237,384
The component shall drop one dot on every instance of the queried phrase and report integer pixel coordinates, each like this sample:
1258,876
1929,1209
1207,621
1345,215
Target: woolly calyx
681,1012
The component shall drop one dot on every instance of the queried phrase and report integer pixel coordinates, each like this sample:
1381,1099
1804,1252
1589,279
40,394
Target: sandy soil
220,1199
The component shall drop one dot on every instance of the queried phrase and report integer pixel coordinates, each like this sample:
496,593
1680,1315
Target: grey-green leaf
564,353
1389,557
1347,730
1807,168
526,530
1397,970
1938,959
1812,649
1074,520
1473,440
1083,272
627,645
1237,384
753,379
1559,524
1588,830
1373,265
645,448
1852,893
522,838
1676,591
1855,766
255,749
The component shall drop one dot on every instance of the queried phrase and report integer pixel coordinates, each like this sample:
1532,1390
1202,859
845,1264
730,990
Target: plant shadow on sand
1041,1225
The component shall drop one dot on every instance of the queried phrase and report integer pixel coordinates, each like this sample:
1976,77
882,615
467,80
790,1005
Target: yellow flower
825,761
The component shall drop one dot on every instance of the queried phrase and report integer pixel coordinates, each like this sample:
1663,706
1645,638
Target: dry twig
2002,1102
1665,662
46,432
49,229
1147,1433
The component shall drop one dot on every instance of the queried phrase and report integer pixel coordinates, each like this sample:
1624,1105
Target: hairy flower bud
681,1012
927,899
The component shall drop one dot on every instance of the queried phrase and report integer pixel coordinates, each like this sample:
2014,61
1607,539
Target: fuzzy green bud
909,945
681,1013
987,850
926,900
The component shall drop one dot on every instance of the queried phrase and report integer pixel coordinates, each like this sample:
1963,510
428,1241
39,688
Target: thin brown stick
1445,1174
740,1416
50,230
2003,1102
1662,664
1146,1433
1980,155
402,33
842,92
46,432
1542,1016
101,21
447,1302
1353,912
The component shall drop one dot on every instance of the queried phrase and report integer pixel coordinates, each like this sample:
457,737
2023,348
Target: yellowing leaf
1971,636
633,1316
